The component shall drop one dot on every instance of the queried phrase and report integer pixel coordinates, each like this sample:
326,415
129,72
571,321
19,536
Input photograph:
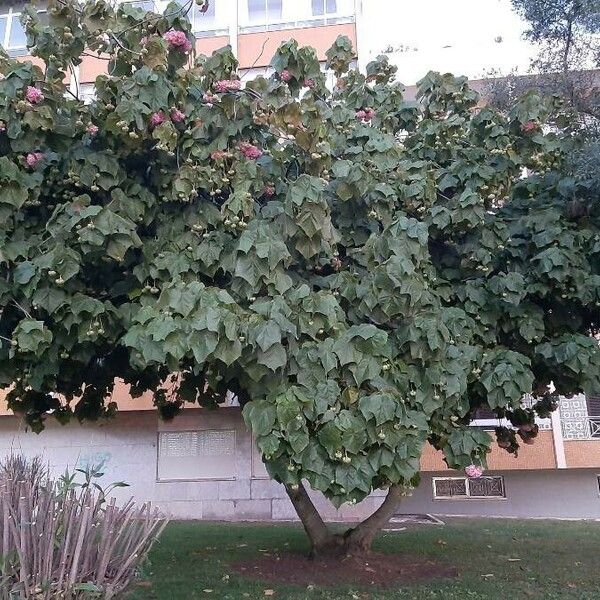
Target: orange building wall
252,53
537,456
582,453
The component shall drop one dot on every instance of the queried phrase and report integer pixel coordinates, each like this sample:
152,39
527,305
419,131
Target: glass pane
318,8
18,39
273,11
146,5
331,7
2,29
43,17
257,11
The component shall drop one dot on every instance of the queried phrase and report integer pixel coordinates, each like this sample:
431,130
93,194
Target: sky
465,37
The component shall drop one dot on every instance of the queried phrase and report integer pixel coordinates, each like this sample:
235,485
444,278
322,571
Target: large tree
362,271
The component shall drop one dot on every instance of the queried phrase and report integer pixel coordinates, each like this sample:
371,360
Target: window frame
468,495
301,21
13,15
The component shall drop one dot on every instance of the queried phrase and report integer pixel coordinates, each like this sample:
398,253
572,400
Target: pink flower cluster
286,75
177,116
473,471
309,83
92,129
365,114
2,126
177,40
250,150
209,99
33,95
157,118
529,126
269,190
33,158
219,154
227,85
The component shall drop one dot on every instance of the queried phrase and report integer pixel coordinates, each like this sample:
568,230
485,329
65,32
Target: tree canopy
363,271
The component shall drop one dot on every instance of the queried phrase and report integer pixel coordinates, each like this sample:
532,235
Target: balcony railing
581,428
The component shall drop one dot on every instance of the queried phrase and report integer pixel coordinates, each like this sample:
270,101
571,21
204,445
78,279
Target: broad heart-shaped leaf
380,407
24,272
32,336
267,335
260,416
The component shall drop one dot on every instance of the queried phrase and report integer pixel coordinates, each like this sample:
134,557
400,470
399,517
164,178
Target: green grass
558,560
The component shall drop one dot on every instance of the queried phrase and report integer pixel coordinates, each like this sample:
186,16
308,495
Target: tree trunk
354,542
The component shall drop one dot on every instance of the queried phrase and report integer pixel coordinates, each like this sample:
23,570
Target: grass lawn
557,560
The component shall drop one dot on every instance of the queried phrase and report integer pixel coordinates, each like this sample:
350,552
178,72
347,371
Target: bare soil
380,570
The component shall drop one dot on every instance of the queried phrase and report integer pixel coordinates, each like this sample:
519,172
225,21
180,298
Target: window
264,12
12,34
323,7
451,488
207,23
265,15
191,455
145,5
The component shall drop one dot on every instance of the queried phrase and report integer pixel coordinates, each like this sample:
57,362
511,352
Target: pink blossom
177,116
529,126
250,150
33,95
33,158
209,99
227,85
309,83
157,118
2,126
365,114
92,129
286,75
473,471
269,190
177,40
144,40
219,154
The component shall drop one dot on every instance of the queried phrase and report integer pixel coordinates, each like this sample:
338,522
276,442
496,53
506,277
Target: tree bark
321,539
360,539
354,542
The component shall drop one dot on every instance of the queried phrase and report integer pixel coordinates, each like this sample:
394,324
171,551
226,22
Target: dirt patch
380,570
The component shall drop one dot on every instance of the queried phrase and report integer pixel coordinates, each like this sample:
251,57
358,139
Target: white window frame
299,20
218,28
468,495
13,16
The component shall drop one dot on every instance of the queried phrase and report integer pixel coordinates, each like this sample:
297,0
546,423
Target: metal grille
486,487
197,443
462,487
447,488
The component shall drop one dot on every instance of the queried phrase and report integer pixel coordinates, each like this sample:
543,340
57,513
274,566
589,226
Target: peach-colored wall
582,453
120,395
252,53
208,45
537,456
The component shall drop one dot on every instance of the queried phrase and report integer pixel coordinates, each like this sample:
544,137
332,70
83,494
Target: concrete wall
128,445
571,493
